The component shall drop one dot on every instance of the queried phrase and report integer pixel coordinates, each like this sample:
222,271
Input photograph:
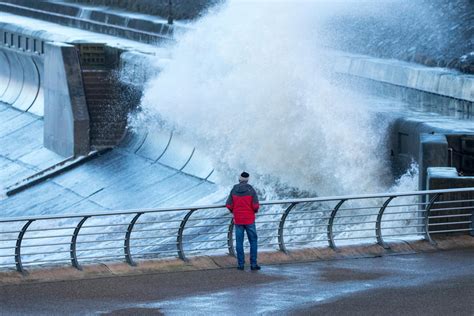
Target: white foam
250,86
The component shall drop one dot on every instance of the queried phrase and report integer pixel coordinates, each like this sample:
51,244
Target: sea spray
250,86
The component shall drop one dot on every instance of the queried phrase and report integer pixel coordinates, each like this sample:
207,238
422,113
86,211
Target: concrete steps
146,29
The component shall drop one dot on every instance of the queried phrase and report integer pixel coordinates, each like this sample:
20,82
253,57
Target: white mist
250,86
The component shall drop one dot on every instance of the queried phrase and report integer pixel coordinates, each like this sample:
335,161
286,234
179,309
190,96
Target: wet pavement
437,283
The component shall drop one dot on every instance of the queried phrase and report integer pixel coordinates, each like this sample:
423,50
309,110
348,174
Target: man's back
243,202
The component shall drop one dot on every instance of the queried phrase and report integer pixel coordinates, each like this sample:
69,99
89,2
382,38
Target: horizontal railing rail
182,231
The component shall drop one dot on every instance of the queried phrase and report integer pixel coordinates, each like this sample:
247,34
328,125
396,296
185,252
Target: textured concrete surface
141,167
416,284
21,141
66,117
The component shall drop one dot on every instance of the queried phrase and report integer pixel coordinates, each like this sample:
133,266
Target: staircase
107,113
105,97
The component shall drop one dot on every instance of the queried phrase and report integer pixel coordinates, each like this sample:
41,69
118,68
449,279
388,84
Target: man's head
244,177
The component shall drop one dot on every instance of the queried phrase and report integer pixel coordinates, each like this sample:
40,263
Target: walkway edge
92,271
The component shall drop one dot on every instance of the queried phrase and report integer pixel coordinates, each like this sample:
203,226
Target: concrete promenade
436,283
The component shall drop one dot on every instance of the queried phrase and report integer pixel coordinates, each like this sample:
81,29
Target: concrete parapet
440,81
433,153
444,178
66,117
219,262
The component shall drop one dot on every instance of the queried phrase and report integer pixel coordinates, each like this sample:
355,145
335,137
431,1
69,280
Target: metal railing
283,225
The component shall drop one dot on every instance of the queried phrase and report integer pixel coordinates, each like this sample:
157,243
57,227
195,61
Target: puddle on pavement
343,275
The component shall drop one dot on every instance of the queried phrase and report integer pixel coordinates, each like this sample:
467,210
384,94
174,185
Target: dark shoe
255,267
240,268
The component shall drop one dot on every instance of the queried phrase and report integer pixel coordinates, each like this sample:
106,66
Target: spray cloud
250,85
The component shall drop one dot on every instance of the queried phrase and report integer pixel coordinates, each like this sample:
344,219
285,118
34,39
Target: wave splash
250,85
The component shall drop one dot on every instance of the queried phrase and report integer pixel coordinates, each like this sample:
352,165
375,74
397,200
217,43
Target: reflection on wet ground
345,275
421,282
323,282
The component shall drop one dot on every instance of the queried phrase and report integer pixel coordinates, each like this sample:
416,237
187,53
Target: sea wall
180,9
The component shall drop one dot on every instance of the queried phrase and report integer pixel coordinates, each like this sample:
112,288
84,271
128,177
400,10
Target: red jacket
243,203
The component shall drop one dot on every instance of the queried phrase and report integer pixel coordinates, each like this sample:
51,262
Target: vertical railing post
73,253
128,254
281,226
330,232
179,240
19,265
427,217
230,238
378,223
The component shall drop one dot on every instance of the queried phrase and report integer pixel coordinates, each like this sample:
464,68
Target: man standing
243,204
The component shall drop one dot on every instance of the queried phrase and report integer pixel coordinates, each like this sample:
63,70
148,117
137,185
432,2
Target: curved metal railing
185,231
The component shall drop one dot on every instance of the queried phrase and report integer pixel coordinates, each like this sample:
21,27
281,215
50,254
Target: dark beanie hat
244,176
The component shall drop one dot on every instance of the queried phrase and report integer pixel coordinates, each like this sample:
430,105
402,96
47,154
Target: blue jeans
239,240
